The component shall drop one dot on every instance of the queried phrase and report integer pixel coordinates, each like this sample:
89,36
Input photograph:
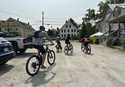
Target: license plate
6,49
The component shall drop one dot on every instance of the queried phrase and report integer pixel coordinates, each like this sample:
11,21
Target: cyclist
67,40
39,42
85,41
58,43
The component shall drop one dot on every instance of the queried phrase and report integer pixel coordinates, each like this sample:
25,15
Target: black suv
6,51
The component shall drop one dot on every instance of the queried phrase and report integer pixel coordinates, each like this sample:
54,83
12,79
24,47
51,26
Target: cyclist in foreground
39,42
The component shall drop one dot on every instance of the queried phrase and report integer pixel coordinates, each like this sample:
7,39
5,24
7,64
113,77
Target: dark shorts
86,44
40,48
67,42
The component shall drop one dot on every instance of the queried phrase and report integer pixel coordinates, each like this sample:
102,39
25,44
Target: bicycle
87,49
58,48
68,49
36,64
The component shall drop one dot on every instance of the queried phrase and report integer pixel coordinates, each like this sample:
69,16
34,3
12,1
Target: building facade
69,28
13,26
114,11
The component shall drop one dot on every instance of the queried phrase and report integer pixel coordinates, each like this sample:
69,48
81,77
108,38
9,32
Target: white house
69,28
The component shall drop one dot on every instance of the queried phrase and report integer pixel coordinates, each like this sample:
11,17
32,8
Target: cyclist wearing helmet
40,37
67,40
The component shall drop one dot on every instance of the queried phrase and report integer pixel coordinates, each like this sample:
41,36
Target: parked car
6,51
20,44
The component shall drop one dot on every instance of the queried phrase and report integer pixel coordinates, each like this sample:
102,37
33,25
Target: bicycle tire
89,49
51,53
27,63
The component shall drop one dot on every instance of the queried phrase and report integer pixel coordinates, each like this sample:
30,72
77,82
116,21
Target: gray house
113,23
115,10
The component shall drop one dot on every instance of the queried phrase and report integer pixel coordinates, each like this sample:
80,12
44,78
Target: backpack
36,34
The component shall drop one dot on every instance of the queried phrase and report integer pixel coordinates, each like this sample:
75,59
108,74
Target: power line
47,24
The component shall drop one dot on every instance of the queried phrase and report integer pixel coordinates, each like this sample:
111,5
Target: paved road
104,68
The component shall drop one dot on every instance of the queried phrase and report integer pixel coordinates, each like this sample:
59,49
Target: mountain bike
86,49
35,61
68,49
58,48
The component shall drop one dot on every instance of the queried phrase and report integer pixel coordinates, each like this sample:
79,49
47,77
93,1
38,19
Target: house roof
14,20
11,20
73,22
120,19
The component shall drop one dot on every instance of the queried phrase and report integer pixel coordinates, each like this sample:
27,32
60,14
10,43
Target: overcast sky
56,11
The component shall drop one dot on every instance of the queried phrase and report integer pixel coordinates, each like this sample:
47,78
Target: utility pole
42,18
114,1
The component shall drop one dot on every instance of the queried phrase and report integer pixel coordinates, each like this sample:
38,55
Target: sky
56,12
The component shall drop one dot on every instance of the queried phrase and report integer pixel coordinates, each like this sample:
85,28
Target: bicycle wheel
71,48
33,65
89,49
51,57
82,48
66,49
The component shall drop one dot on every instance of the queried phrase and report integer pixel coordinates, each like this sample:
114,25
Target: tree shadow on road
43,77
5,68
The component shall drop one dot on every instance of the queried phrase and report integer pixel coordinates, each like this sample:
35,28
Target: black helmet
42,28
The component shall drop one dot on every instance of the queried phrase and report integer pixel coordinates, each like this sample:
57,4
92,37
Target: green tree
87,29
103,8
91,15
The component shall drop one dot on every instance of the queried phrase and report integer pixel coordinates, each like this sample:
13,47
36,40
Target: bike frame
40,55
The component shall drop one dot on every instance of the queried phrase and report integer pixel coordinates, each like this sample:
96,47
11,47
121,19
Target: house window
72,30
66,26
0,30
64,35
64,31
69,26
68,30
